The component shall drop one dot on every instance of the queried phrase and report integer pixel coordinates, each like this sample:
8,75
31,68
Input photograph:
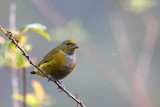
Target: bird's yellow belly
61,66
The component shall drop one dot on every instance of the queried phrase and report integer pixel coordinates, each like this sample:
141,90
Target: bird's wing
49,56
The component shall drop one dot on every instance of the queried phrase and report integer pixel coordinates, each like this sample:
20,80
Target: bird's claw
49,78
61,87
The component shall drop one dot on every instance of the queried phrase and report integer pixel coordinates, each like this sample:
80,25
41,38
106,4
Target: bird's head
69,46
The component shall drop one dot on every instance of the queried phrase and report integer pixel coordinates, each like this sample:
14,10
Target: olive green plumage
60,61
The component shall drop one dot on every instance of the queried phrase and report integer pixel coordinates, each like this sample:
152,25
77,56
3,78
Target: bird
59,62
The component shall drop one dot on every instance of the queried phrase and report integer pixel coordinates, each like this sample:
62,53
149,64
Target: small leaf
17,97
28,47
37,28
19,59
39,91
32,100
32,26
46,35
5,48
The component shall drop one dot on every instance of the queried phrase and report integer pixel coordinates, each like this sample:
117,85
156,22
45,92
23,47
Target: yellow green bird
60,61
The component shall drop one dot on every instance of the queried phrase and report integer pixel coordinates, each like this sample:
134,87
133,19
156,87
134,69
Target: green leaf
37,28
17,97
5,48
32,26
44,34
19,59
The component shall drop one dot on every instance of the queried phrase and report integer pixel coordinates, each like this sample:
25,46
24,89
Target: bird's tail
33,72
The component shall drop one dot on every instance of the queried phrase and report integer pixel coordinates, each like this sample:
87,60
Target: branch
148,45
14,82
9,35
77,98
14,72
24,87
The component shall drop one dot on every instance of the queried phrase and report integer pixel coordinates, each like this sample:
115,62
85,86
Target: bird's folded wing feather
49,56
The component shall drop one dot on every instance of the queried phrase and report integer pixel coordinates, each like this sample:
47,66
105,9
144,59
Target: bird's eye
67,43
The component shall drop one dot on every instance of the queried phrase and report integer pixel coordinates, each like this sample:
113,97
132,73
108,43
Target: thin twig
123,43
77,98
145,58
24,87
140,94
9,35
150,39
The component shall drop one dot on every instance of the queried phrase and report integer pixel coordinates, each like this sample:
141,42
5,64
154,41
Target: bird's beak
74,47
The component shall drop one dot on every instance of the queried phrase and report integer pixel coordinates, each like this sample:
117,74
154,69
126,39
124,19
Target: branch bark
24,87
15,89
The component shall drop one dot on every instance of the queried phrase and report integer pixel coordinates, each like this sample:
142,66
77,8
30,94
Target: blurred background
119,50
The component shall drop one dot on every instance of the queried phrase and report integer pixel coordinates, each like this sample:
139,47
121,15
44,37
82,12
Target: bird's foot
61,87
49,78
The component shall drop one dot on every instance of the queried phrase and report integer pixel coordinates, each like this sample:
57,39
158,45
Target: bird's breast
70,60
